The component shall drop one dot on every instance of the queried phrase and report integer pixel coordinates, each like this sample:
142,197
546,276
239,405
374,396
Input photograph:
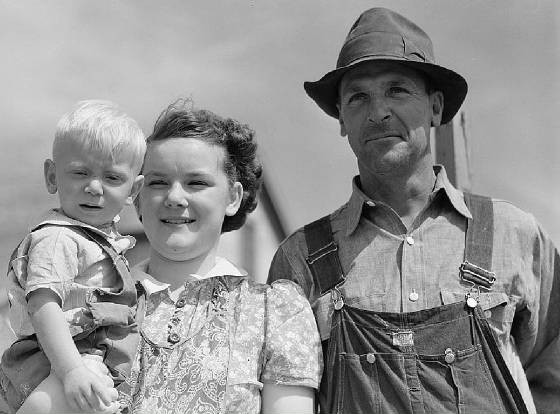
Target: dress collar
357,200
222,267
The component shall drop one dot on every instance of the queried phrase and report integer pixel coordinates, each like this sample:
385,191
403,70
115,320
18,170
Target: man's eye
395,90
79,173
356,98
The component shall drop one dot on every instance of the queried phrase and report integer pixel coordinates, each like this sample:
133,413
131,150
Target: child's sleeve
52,261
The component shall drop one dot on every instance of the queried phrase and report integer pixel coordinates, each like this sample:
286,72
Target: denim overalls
112,334
438,360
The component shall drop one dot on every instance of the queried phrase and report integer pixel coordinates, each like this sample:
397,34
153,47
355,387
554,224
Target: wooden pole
452,151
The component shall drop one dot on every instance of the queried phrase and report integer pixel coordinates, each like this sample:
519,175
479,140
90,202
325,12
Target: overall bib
113,334
439,360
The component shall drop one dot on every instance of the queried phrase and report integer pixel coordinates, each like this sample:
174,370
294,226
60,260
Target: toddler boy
72,299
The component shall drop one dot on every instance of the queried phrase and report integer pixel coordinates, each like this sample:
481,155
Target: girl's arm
83,388
282,399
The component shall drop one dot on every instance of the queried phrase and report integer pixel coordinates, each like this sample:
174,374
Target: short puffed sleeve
293,353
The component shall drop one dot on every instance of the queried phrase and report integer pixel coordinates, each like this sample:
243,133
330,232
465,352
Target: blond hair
102,127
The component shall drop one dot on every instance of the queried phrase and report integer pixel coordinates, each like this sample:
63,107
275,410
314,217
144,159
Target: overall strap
322,257
118,259
479,238
119,262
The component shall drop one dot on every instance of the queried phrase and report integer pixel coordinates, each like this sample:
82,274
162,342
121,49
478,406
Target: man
427,299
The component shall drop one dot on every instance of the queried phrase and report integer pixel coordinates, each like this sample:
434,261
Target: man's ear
136,187
436,101
236,194
49,169
343,132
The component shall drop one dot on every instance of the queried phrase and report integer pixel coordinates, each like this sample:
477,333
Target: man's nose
94,187
176,196
379,110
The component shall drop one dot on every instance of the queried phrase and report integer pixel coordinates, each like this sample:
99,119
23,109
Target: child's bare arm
83,388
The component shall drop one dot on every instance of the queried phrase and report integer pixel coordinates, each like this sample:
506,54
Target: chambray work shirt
391,268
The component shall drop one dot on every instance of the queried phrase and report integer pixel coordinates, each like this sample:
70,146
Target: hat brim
453,86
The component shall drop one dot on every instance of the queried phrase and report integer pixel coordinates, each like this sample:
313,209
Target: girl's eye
198,183
79,173
156,183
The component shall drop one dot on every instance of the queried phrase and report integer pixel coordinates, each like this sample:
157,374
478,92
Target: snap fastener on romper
370,358
413,296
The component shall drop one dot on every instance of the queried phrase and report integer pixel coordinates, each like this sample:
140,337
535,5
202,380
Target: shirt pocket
499,309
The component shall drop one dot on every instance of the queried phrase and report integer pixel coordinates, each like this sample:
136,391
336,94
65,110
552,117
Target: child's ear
236,193
50,176
136,187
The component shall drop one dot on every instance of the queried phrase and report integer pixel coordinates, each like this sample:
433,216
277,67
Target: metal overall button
337,300
180,303
370,358
449,356
409,240
413,296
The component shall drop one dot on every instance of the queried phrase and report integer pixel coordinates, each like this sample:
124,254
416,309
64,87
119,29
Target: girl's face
186,197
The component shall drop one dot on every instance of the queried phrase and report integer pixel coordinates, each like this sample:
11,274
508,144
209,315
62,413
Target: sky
247,59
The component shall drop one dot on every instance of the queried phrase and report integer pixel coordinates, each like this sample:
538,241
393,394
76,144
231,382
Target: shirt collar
56,217
355,206
151,285
455,196
357,200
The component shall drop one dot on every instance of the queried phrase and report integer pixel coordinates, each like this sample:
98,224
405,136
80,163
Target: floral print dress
210,349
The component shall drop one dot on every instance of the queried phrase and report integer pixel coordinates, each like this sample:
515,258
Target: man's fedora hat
380,34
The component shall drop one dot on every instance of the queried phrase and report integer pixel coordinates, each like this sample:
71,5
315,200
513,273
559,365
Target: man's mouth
178,220
376,137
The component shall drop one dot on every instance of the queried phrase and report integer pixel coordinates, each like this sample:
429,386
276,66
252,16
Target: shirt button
413,296
450,358
173,338
370,358
180,303
370,203
409,240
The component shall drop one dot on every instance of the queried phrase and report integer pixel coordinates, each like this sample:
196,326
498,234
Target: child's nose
94,187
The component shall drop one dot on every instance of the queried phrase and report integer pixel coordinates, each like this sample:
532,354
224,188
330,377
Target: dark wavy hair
181,119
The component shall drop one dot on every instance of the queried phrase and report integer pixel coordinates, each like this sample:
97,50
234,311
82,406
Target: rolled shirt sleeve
537,327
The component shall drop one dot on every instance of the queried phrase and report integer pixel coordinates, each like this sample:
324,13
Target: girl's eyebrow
153,174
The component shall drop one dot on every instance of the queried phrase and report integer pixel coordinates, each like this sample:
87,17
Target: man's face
386,112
